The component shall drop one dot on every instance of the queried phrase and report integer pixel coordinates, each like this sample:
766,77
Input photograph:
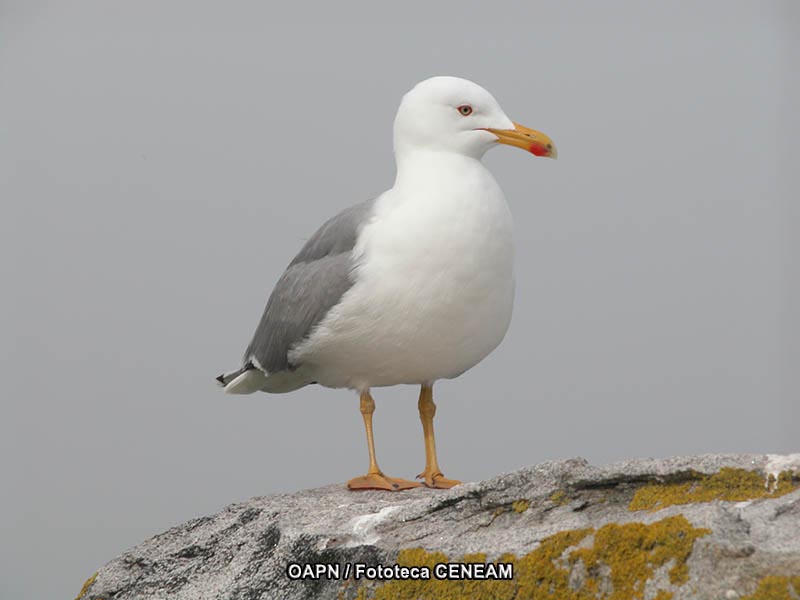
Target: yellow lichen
520,506
543,573
617,564
559,497
633,551
776,588
86,585
734,485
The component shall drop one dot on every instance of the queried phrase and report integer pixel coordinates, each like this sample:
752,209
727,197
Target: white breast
434,286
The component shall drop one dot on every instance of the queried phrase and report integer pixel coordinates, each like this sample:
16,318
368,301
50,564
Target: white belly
433,294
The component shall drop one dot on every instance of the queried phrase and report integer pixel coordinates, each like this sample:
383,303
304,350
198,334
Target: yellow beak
528,139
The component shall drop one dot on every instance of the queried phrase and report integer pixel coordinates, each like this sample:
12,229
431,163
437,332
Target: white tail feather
248,382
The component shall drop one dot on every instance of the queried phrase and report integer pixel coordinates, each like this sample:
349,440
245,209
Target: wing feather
313,283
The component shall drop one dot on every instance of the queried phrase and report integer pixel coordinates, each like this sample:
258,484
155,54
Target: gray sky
161,163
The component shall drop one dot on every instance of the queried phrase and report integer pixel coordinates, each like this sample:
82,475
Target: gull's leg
432,474
375,479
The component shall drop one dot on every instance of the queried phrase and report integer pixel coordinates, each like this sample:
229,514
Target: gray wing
312,284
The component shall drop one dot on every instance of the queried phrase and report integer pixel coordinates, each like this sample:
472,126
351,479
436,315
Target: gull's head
456,115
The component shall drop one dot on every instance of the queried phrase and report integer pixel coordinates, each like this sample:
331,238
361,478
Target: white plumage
434,281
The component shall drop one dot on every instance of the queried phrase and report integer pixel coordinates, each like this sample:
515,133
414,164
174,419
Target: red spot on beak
539,150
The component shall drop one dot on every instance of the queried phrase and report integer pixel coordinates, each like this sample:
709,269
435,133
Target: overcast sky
161,163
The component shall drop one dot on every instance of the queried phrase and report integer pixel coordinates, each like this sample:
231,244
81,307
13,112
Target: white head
456,115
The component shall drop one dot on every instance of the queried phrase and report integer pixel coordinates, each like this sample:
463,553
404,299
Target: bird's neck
423,167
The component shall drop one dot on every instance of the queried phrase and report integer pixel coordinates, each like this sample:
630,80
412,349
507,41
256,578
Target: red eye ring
465,110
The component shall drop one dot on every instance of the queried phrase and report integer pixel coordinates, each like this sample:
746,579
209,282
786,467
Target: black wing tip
226,378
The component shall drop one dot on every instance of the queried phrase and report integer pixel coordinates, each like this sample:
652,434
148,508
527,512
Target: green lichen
559,497
776,588
86,585
618,561
520,506
734,485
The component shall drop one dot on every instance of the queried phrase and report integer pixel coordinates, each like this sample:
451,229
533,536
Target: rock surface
682,542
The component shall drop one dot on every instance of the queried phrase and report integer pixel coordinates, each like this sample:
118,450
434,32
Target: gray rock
242,552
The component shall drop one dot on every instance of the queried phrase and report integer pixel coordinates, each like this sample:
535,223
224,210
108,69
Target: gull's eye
465,110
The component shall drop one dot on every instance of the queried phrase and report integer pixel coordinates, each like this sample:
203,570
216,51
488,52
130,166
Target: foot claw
437,481
379,481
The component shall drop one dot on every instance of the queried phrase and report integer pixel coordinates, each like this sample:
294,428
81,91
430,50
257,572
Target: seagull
414,286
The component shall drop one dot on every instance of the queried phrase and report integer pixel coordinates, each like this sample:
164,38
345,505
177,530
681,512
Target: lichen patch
776,588
734,485
86,585
520,506
614,562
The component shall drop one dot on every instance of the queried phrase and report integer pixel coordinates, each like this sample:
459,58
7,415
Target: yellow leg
375,479
432,474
